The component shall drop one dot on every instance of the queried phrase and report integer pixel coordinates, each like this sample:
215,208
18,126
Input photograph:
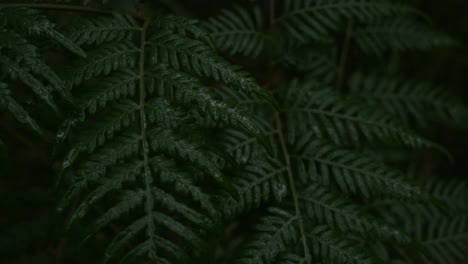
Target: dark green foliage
21,59
304,21
309,107
399,35
238,31
164,149
410,100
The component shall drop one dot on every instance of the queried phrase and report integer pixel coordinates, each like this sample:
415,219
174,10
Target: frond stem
72,8
344,56
272,12
292,185
143,126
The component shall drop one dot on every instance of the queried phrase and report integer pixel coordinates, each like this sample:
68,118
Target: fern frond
117,117
451,191
26,55
354,173
333,248
95,31
119,84
125,172
238,31
257,183
167,141
446,240
291,259
326,207
410,100
16,72
21,60
183,182
399,35
308,106
275,234
188,90
319,63
196,57
244,147
442,238
183,26
304,21
20,114
29,22
140,157
103,60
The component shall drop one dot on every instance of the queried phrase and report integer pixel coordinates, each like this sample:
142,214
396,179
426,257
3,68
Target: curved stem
344,56
71,8
143,126
292,185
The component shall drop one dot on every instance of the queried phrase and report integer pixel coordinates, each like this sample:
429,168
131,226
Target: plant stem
149,205
344,56
272,12
292,185
67,8
284,149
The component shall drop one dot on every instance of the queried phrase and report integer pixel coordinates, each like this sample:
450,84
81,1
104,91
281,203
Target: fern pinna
169,152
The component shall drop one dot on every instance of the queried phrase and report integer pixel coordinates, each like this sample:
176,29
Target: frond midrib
263,179
292,185
350,168
100,29
149,204
340,116
250,140
240,32
314,9
446,238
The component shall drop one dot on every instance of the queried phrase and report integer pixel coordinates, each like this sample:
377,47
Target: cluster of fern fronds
277,133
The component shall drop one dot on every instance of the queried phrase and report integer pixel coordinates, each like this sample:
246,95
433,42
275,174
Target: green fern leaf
411,100
446,240
119,84
167,141
342,120
354,173
182,181
276,232
31,22
238,31
96,31
441,238
8,103
338,212
183,26
244,147
120,115
307,20
291,259
26,55
21,59
258,183
319,63
333,248
134,128
196,57
399,35
103,60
